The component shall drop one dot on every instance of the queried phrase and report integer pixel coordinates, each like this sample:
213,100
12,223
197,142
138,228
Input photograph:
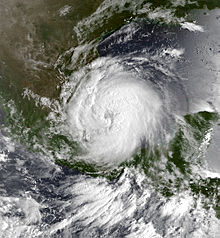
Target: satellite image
109,118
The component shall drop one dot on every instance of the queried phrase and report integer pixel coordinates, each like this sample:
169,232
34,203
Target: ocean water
109,119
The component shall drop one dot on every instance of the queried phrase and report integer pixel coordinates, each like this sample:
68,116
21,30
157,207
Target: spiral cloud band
112,112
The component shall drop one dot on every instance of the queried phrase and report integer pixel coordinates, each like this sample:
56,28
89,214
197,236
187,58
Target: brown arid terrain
33,35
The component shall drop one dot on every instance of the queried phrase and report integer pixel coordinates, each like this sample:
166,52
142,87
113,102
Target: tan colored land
32,36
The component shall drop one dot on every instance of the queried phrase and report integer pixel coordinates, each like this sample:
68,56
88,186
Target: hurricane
109,119
113,112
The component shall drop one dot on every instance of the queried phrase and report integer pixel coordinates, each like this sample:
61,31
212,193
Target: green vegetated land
178,159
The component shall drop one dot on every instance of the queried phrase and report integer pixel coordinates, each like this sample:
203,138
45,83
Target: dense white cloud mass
112,112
